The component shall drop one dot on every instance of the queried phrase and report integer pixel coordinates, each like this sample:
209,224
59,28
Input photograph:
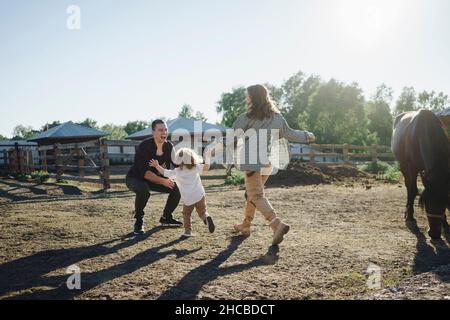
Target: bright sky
136,60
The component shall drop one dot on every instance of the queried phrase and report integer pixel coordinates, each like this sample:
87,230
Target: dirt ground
337,231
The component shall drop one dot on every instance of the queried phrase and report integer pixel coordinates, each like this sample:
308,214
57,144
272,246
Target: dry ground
337,232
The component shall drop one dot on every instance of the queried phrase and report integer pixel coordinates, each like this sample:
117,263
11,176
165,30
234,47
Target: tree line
335,111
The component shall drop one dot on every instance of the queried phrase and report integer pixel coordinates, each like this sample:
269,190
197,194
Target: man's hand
168,183
154,163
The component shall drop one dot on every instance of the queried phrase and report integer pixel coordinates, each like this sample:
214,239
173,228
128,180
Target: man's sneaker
210,223
243,228
187,234
279,230
170,222
139,227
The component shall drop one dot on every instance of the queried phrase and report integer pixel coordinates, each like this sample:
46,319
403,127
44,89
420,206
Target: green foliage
88,122
40,176
392,174
24,132
379,115
115,132
231,105
376,167
383,170
188,112
3,137
297,92
235,179
50,125
135,126
407,101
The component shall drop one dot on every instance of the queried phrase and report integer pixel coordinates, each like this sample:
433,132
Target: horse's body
420,145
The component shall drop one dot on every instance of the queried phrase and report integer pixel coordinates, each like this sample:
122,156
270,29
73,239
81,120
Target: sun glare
365,22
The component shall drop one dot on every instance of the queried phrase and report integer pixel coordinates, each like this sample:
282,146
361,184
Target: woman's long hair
261,105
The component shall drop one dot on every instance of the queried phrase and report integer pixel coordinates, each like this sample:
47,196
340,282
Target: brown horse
421,145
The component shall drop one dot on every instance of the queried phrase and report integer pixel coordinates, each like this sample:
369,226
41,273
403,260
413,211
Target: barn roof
69,130
181,123
444,113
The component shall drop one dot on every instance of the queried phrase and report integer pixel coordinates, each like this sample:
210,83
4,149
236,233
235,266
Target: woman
262,118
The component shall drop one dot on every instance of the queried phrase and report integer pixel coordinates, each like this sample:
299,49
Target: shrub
376,167
40,176
392,174
235,179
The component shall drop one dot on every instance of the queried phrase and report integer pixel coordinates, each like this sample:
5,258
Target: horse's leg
445,224
411,186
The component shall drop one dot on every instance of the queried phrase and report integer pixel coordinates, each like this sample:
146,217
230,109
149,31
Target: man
142,178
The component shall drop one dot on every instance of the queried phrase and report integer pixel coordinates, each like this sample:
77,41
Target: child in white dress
187,177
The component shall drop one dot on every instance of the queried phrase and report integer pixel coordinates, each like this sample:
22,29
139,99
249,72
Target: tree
115,132
297,92
48,126
433,101
88,122
135,126
231,105
336,114
200,116
186,111
3,137
407,101
379,114
21,132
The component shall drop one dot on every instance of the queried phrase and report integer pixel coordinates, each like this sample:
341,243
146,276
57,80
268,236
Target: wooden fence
346,153
95,161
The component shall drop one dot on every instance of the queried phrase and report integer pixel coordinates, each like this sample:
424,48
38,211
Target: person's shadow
191,284
428,257
29,272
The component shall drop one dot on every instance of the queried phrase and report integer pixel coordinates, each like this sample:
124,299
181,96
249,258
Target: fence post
17,157
80,161
105,171
373,153
44,159
58,161
312,156
345,151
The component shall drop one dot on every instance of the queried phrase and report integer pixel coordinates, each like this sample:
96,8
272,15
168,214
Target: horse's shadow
25,273
428,257
191,284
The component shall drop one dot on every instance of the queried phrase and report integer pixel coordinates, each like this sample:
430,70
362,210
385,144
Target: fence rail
84,161
345,152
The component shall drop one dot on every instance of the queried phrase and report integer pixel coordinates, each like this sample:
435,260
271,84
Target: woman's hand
311,137
154,163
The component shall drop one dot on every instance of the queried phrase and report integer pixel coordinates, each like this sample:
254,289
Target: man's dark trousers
142,190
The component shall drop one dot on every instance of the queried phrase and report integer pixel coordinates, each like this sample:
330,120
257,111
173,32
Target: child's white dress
188,182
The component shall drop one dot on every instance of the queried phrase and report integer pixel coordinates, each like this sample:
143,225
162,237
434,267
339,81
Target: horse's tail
434,147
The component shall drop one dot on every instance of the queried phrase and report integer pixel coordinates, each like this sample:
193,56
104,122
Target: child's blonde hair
188,158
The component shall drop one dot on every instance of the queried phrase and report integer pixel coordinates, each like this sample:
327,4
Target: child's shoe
210,223
187,234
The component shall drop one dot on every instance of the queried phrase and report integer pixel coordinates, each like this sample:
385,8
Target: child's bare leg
187,212
200,207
